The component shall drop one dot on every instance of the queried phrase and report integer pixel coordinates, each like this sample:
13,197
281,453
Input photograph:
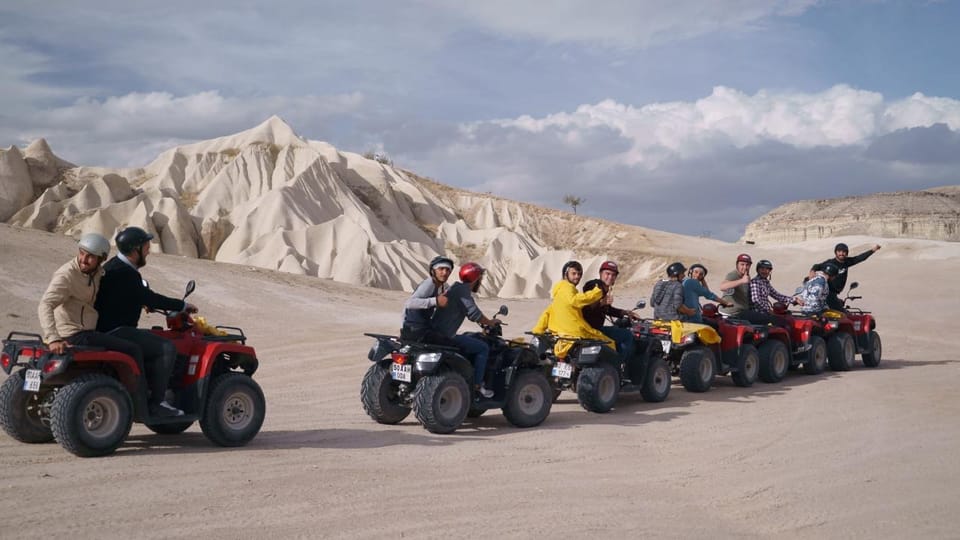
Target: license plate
562,370
401,372
31,383
666,344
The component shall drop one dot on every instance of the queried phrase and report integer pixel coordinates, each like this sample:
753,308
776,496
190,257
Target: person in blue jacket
694,288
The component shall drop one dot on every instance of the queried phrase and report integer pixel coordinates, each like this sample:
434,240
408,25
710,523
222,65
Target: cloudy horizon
683,116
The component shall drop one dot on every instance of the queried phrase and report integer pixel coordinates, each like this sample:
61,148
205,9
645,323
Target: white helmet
95,244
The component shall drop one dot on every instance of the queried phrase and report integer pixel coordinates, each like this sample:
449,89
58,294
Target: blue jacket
692,291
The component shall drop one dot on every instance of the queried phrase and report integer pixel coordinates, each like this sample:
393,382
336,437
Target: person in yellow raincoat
564,317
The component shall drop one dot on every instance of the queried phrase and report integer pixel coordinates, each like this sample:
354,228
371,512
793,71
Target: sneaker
485,392
165,409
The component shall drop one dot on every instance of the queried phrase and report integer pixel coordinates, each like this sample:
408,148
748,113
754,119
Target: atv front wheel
441,401
774,361
529,399
598,387
380,396
235,410
656,385
748,365
840,351
174,428
816,360
697,369
91,415
872,358
25,415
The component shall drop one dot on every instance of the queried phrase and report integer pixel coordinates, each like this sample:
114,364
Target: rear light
52,366
399,358
5,360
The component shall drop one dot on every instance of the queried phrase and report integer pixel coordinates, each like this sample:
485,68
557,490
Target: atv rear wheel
816,360
380,396
748,365
840,351
774,361
172,428
91,415
441,401
656,385
529,399
235,410
697,369
598,387
25,415
872,358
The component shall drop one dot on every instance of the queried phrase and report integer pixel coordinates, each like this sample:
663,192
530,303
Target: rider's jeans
623,338
476,350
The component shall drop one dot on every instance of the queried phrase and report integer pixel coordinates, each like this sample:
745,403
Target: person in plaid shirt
761,290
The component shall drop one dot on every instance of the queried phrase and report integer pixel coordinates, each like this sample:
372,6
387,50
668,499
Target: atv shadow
495,424
901,363
194,442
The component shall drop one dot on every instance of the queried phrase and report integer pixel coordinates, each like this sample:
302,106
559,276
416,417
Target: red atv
798,343
88,397
696,360
851,332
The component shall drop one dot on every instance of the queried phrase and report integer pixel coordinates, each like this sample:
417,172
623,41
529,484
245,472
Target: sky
689,116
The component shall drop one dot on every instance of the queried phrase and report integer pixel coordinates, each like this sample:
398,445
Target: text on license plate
665,344
563,370
31,383
401,372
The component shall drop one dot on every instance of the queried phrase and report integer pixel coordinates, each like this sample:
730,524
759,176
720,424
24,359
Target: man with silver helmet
66,311
420,307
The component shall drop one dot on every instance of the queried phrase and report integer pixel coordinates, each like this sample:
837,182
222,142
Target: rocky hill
269,198
932,214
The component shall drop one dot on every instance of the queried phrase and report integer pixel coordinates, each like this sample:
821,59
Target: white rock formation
932,214
269,198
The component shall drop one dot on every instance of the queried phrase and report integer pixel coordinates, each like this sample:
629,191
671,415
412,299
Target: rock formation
932,214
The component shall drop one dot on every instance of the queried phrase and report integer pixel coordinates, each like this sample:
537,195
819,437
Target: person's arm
734,283
152,300
56,294
543,322
780,297
422,298
580,300
862,257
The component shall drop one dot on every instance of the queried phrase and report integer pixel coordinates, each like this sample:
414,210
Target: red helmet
471,272
743,257
611,266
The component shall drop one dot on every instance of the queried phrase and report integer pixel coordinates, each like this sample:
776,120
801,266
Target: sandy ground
866,453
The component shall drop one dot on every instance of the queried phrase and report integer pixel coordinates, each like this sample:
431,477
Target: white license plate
666,344
401,372
562,370
31,383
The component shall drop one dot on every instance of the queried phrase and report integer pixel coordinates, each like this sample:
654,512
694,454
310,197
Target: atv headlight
427,361
589,354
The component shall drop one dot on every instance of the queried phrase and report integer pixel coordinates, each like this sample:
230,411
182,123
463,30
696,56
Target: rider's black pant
159,358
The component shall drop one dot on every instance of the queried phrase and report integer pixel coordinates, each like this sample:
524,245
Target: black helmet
830,269
700,266
131,238
676,269
764,263
841,247
569,265
439,261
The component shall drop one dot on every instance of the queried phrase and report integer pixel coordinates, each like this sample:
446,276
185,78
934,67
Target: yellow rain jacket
564,318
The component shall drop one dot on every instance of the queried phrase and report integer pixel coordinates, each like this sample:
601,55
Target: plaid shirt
760,292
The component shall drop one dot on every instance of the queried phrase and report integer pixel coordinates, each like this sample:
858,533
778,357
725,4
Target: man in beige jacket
67,315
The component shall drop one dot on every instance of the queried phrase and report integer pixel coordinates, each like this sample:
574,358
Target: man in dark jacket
597,313
123,293
843,262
